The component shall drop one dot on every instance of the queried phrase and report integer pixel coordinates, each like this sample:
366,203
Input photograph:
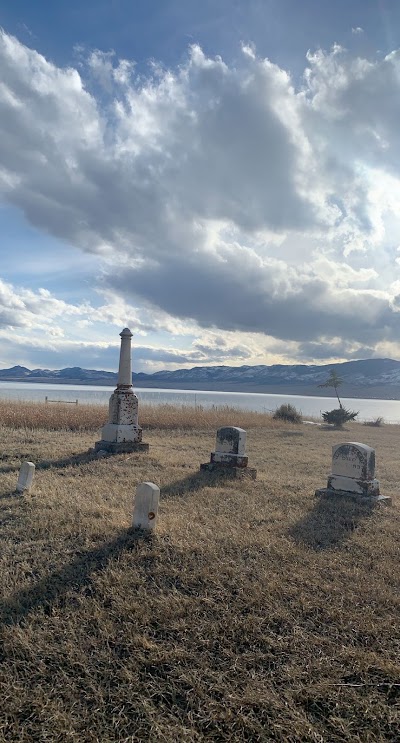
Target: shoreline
373,392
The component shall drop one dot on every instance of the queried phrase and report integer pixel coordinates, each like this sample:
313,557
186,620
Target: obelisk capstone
122,433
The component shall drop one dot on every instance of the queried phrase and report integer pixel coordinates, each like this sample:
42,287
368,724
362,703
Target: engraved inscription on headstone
353,469
353,460
353,472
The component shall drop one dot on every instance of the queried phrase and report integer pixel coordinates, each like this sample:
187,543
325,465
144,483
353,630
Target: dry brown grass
53,417
256,613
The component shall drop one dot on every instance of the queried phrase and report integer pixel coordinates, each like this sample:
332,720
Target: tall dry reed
59,416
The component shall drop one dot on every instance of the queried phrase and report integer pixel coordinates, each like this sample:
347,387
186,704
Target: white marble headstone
354,460
353,473
25,478
353,469
145,509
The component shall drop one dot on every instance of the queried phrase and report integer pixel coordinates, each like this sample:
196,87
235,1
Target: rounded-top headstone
353,459
146,506
25,478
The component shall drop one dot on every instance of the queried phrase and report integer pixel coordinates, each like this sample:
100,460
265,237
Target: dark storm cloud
263,298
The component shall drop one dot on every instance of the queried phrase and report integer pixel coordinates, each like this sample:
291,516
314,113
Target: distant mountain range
367,378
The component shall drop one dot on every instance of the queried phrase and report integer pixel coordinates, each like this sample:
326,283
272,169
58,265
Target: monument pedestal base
225,459
343,484
121,438
359,497
121,447
226,470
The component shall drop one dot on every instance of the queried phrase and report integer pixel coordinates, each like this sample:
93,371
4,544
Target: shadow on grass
287,434
196,481
12,467
73,460
76,576
10,495
331,522
334,429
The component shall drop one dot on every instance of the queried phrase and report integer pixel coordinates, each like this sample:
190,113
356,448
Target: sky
223,177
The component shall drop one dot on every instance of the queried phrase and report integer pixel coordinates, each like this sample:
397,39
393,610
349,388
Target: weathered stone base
229,471
228,460
120,432
360,498
121,447
368,488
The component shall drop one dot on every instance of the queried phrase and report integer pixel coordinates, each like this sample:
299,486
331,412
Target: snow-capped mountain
364,374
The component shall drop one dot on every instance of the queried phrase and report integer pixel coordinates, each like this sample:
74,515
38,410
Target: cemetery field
255,613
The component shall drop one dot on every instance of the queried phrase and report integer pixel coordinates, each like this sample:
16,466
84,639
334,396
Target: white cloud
21,307
25,308
55,352
214,196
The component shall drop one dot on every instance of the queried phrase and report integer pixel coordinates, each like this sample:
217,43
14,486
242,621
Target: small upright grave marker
25,478
146,506
353,473
230,456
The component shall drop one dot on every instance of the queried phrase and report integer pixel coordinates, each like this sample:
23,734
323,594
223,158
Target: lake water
99,395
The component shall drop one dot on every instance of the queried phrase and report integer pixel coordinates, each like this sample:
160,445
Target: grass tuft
376,423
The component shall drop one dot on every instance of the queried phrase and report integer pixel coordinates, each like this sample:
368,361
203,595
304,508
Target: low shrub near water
287,413
339,416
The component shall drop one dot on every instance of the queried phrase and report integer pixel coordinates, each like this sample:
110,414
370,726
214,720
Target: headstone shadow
73,460
195,481
75,575
9,495
5,469
331,522
288,434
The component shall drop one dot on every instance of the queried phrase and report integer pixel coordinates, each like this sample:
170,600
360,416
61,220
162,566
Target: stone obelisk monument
122,433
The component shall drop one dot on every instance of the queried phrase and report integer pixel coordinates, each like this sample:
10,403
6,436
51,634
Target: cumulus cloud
40,310
189,184
27,309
